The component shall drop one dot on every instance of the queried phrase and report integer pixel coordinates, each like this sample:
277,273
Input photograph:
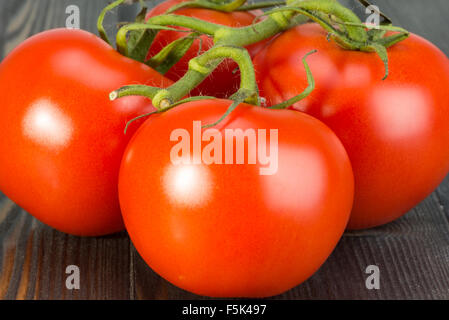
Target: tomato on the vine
395,131
225,79
62,138
249,208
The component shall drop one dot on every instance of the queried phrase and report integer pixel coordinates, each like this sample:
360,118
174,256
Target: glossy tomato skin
223,81
62,139
396,131
225,230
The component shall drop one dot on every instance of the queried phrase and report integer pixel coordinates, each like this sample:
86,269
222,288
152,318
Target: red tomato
223,81
235,230
396,131
62,139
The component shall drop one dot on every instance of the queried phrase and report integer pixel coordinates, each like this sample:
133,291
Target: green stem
278,20
134,90
203,65
205,4
382,53
394,39
306,92
260,31
261,5
333,8
243,36
199,68
186,22
315,16
341,23
240,56
122,41
101,17
227,42
167,108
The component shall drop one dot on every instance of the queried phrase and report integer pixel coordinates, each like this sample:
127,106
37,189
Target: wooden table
412,252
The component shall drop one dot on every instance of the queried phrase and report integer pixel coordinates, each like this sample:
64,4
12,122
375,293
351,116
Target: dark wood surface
412,252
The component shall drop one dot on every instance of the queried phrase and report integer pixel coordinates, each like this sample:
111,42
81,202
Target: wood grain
34,257
412,252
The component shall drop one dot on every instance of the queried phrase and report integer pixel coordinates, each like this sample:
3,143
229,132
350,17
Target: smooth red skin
64,171
223,81
237,234
396,131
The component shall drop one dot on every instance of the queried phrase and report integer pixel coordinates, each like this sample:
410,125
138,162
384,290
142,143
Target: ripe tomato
223,81
62,139
396,131
247,228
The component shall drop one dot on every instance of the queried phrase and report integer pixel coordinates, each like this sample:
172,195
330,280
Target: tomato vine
342,24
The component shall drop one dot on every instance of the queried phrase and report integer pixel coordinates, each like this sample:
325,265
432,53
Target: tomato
242,228
62,139
396,131
225,80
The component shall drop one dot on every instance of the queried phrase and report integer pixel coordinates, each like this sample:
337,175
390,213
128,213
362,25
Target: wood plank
34,257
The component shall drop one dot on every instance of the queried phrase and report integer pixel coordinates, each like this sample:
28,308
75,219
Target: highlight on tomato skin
395,131
62,138
226,220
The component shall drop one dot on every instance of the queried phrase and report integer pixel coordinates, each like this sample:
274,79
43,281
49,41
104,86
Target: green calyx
346,29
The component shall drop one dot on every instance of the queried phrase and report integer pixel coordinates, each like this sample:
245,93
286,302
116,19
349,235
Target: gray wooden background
412,252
